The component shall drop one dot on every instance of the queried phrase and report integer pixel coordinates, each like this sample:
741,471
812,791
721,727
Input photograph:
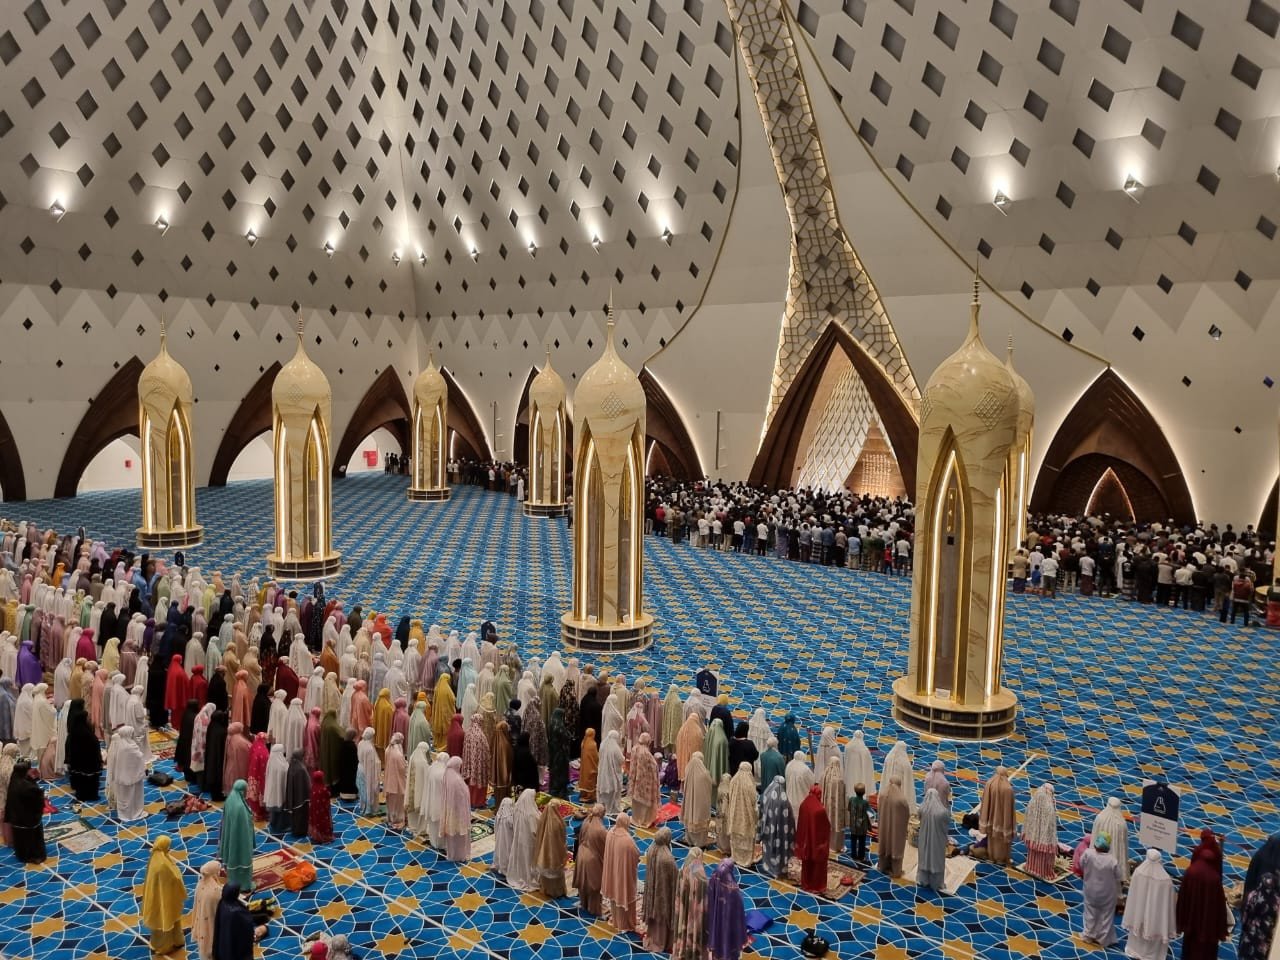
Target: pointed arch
13,482
665,426
252,418
1111,423
1266,522
464,422
776,460
112,414
385,404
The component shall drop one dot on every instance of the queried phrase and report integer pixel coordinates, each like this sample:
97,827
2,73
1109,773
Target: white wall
255,461
381,442
117,466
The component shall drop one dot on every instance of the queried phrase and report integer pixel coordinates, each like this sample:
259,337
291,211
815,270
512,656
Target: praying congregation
869,552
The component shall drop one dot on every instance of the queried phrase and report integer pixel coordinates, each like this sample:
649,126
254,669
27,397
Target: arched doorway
664,427
384,405
117,466
13,483
112,414
1110,428
252,419
838,371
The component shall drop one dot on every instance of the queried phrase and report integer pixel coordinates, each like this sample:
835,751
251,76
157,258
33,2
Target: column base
169,539
305,568
434,495
623,638
944,719
546,509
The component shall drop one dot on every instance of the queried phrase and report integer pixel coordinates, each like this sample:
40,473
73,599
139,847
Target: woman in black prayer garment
215,754
260,717
84,755
297,795
186,731
24,812
348,768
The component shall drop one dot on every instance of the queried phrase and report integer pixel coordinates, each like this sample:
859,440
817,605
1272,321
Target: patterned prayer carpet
1110,693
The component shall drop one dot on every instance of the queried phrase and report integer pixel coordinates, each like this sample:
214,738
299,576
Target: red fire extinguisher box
371,458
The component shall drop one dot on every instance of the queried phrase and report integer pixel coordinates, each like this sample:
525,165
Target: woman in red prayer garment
813,839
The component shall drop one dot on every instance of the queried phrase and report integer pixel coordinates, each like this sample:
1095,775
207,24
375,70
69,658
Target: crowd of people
269,696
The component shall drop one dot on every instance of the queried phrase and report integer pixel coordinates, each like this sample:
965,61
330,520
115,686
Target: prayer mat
959,869
568,809
483,841
270,868
57,832
836,888
1061,872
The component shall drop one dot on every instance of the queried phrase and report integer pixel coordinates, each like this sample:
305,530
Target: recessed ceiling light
475,254
328,248
251,237
1134,188
57,210
1002,202
422,258
533,249
1215,332
162,224
667,235
395,257
595,241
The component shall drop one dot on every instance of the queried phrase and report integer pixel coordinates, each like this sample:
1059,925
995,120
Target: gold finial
977,282
976,305
1009,351
301,326
163,333
547,347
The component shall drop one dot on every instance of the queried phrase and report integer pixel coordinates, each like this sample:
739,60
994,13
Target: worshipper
898,762
772,763
503,836
800,780
551,852
205,907
524,768
689,741
559,749
777,829
521,873
83,754
996,816
645,791
475,761
175,690
588,767
297,795
432,799
370,774
741,749
235,842
24,814
834,799
347,787
588,861
739,817
1101,891
936,779
828,747
443,708
788,736
22,718
1265,860
1040,833
186,734
419,727
1258,919
695,807
455,825
531,724
691,909
932,841
44,729
8,759
722,801
331,737
395,777
621,861
199,745
609,779
502,760
163,893
235,765
215,746
659,898
233,930
126,771
859,819
319,811
726,913
813,841
757,729
275,782
715,750
456,739
259,757
1111,821
893,815
1149,910
383,715
1202,915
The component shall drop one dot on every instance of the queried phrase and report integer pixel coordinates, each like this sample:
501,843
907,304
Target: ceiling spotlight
667,235
395,257
328,248
595,241
422,258
251,237
1134,188
162,224
1215,332
475,254
533,249
57,210
1002,202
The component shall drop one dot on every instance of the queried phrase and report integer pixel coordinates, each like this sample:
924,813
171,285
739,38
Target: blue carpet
1110,693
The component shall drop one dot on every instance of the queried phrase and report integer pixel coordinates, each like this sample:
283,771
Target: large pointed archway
1110,428
775,463
252,418
664,426
384,404
13,482
470,442
112,414
1267,522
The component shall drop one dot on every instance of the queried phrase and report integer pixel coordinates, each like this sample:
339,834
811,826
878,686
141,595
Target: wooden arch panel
776,460
464,422
1110,419
252,419
13,482
1267,522
665,426
112,414
384,404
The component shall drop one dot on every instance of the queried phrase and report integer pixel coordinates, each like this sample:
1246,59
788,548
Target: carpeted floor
1110,693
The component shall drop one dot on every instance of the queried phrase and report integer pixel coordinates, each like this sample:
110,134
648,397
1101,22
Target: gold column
608,528
548,423
430,427
301,409
168,454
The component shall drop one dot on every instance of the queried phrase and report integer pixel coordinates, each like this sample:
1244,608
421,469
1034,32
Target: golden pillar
968,424
1020,458
430,455
168,455
608,506
548,422
301,408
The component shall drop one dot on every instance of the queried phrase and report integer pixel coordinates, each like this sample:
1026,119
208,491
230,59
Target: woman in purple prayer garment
726,913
